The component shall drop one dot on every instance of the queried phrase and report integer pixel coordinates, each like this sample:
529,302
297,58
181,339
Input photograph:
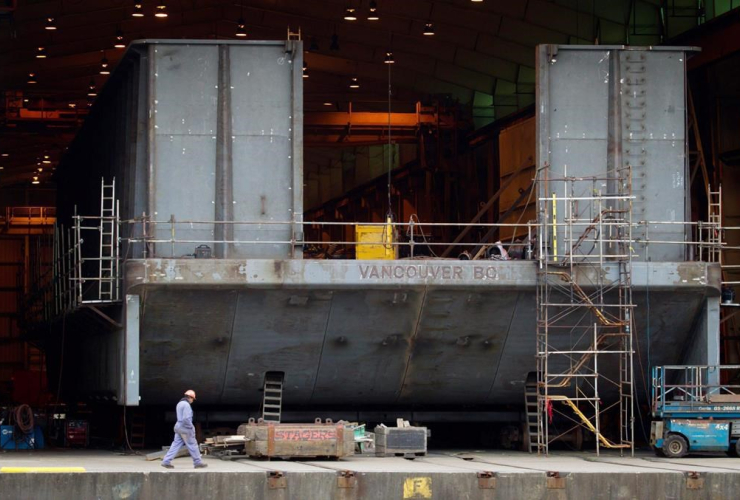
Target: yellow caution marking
604,442
23,470
417,487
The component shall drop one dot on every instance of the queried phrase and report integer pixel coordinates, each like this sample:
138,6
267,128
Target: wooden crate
393,441
298,440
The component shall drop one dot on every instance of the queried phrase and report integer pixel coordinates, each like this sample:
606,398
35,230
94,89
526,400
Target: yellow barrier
23,470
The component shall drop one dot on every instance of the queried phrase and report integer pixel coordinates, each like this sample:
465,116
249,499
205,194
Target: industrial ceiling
481,53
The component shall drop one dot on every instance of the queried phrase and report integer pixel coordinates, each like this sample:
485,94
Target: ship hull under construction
369,334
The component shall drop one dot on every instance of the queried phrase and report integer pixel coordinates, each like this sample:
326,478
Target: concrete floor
440,475
439,461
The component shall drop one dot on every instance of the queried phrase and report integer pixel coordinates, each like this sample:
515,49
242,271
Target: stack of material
224,445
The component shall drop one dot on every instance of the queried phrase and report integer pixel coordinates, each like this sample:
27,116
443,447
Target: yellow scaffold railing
605,442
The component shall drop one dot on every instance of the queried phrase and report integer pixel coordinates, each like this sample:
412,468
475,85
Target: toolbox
400,441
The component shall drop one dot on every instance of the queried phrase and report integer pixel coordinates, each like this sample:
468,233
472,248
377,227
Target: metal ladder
138,431
714,238
531,413
108,264
272,397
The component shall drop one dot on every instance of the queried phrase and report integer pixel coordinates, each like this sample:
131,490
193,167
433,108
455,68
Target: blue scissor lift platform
694,411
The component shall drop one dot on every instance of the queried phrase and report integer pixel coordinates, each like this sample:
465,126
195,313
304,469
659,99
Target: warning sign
417,487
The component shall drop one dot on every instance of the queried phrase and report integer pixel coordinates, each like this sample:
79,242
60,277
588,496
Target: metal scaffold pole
584,311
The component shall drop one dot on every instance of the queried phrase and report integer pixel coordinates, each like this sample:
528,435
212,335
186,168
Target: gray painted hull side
397,343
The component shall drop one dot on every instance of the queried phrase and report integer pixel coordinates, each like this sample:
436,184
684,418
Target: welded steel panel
203,131
184,87
454,357
368,341
601,109
263,122
185,342
287,339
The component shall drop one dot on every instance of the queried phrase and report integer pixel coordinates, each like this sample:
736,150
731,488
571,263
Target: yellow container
383,235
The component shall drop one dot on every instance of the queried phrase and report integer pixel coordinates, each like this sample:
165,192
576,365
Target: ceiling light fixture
429,29
32,78
91,88
241,27
46,160
350,14
72,105
354,83
328,104
476,1
161,11
50,24
138,10
104,66
305,69
389,58
35,179
373,15
4,155
119,44
41,53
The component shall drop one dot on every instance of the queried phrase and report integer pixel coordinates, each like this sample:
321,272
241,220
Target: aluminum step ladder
108,264
531,413
272,397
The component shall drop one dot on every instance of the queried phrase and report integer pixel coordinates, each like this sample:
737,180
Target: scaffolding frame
96,277
584,307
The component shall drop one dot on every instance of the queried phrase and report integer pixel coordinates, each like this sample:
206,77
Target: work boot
167,466
201,465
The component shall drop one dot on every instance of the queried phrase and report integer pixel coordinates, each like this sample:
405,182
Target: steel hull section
367,334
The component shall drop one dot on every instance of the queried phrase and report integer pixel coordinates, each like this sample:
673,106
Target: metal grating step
272,397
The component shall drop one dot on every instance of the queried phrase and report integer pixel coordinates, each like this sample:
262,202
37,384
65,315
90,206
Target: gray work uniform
184,434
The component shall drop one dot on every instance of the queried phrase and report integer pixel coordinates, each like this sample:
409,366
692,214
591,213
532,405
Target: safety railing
75,278
161,238
683,389
30,216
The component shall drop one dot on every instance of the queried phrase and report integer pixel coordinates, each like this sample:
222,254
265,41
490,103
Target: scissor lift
695,409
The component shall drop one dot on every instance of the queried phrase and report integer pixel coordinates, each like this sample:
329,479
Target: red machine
76,433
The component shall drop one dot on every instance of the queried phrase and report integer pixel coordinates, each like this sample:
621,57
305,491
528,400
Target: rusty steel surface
343,335
521,274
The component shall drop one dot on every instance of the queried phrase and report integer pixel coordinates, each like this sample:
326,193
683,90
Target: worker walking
184,433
